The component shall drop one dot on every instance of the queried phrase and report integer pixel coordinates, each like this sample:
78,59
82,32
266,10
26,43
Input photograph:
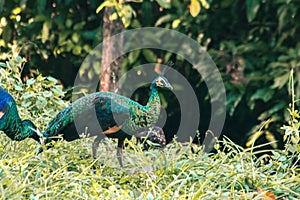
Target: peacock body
118,116
11,123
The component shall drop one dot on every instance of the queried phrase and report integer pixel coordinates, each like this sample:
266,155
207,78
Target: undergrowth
68,171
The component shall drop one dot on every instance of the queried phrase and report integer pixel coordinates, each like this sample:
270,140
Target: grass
68,171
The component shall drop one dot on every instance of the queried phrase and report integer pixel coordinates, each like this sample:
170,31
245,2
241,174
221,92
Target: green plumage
10,121
118,116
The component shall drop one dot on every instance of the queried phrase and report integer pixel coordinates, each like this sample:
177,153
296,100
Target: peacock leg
120,151
95,146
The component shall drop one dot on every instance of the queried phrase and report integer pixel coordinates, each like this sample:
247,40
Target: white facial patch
1,114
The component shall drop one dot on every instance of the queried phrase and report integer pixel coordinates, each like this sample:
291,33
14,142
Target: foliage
38,98
46,32
68,171
125,12
255,77
291,131
254,43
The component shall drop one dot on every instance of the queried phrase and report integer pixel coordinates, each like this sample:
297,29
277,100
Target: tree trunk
111,69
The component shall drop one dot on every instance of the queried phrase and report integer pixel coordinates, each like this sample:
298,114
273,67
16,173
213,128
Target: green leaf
280,81
272,110
233,101
90,35
77,50
16,11
6,34
75,37
252,7
165,19
30,81
147,14
132,57
27,95
41,103
176,23
41,5
54,80
204,4
62,36
79,26
18,59
149,55
2,64
264,94
18,88
26,104
45,31
195,7
47,94
105,4
164,3
58,90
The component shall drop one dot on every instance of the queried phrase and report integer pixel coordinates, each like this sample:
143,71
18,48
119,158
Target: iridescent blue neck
18,130
154,100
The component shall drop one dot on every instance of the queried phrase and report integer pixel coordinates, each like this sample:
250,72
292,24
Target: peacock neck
153,104
19,130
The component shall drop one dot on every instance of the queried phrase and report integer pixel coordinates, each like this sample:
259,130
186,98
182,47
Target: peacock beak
169,86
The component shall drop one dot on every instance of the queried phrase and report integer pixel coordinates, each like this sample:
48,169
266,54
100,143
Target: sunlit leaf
252,7
164,19
164,3
45,31
18,88
16,11
176,23
27,95
30,81
54,80
281,80
195,8
107,3
205,4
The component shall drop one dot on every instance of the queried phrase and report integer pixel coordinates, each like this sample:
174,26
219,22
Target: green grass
68,171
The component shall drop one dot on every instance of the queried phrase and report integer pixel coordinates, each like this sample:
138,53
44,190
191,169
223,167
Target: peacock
11,123
118,116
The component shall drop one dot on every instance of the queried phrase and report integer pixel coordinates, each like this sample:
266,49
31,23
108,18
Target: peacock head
2,120
5,103
162,82
32,130
154,136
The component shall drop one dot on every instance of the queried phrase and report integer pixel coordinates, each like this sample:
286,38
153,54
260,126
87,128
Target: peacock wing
111,114
58,123
78,119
